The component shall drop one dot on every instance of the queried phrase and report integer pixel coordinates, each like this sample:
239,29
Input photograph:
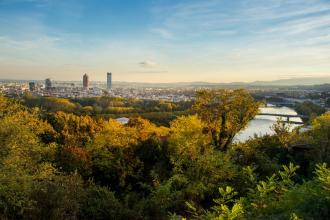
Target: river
261,125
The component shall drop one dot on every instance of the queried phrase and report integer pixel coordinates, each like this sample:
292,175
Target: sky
164,40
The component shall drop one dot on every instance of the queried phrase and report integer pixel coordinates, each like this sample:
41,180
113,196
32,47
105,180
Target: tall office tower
48,83
109,80
85,81
32,86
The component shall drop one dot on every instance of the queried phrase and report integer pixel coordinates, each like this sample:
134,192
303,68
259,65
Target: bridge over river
286,116
262,124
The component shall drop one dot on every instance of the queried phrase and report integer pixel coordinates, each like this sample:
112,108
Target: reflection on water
261,125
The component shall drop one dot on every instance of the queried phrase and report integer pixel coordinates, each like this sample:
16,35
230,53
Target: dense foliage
64,165
309,109
158,111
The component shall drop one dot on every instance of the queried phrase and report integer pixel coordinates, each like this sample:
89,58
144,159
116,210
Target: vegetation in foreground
57,165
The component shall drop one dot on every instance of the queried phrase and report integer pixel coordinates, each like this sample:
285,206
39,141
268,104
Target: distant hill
303,81
295,81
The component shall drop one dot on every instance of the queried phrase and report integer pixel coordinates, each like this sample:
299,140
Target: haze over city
165,41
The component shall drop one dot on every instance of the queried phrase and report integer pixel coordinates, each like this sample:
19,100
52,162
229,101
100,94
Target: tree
73,130
145,128
193,159
113,160
24,159
56,198
186,135
100,203
309,109
226,112
50,103
285,133
320,134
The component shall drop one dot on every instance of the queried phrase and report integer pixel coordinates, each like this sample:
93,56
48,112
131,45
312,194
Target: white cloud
148,63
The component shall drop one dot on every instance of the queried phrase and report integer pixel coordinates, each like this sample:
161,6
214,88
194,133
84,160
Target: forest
160,112
69,159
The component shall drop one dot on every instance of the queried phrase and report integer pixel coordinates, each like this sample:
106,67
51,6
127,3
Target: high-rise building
109,80
32,86
85,81
48,83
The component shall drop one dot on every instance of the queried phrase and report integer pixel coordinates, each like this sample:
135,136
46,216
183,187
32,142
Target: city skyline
165,41
85,81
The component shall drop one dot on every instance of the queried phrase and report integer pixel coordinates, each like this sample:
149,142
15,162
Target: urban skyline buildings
85,81
48,83
32,86
109,81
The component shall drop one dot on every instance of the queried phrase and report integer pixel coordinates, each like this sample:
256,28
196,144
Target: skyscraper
48,83
32,86
85,81
109,80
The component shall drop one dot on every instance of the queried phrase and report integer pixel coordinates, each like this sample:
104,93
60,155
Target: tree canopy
68,165
225,113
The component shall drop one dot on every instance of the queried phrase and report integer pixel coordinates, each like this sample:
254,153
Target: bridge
280,104
285,116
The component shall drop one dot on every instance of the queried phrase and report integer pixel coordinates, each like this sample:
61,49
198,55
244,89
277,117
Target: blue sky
165,40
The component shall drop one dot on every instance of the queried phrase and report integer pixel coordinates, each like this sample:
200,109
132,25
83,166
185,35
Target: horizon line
179,82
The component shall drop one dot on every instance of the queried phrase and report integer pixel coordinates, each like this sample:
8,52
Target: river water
261,125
